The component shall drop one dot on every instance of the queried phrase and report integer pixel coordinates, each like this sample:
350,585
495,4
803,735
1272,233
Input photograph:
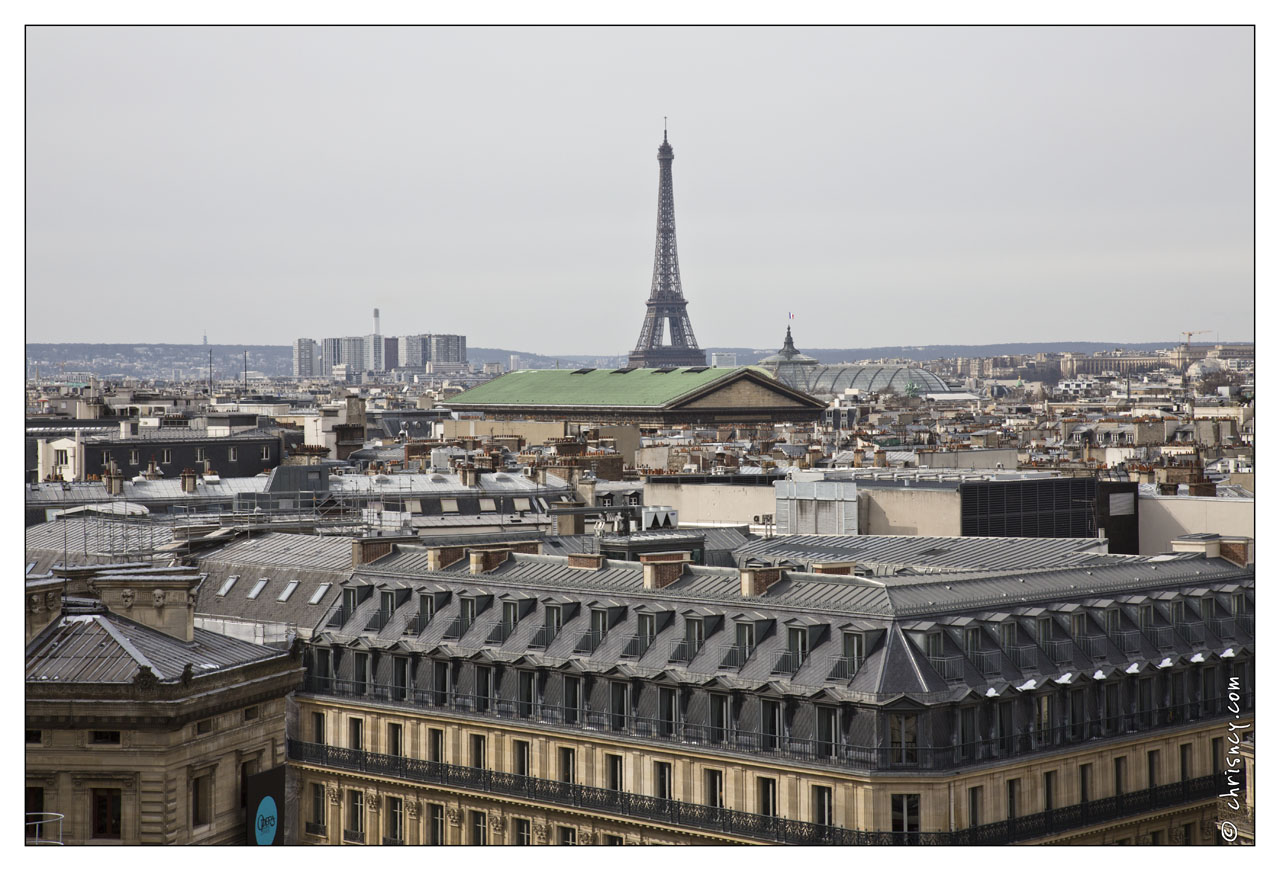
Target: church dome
788,356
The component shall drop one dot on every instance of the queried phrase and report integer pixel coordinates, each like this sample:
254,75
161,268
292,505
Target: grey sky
889,186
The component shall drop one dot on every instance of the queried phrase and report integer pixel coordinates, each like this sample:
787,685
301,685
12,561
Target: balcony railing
352,837
845,668
740,823
1092,646
789,662
415,625
989,662
1024,656
317,829
379,620
44,830
1060,650
1233,628
1127,640
501,632
736,656
1192,633
457,628
637,646
1161,636
948,667
589,641
339,618
543,637
735,740
685,651
388,841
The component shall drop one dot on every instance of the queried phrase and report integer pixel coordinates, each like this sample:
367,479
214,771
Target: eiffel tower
666,300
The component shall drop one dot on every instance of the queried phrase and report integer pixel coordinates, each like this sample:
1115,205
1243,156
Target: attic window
319,594
449,506
227,585
664,370
257,588
692,369
624,370
521,504
287,591
583,371
488,505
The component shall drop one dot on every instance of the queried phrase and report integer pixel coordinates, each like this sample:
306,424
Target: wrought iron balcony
501,632
392,842
352,837
457,628
789,662
543,637
948,667
749,826
589,641
1060,650
736,656
845,668
685,651
1093,646
637,646
320,830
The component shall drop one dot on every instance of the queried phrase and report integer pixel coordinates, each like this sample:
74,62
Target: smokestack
377,331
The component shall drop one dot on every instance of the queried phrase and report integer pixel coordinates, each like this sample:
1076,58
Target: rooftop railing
948,667
1127,640
44,829
1060,650
749,826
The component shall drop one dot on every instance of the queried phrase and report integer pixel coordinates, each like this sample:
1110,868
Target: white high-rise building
372,357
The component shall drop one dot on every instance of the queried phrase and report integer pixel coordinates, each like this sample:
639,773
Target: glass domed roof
803,372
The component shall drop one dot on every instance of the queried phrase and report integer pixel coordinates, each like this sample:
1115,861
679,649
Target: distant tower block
666,303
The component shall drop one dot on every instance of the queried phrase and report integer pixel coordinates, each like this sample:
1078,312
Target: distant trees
1211,382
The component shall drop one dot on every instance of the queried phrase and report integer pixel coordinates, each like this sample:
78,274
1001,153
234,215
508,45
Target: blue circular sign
265,821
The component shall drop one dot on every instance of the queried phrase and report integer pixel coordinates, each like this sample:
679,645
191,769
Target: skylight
319,594
257,588
287,592
227,585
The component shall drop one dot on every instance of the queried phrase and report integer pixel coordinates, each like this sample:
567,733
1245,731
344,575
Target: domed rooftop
788,355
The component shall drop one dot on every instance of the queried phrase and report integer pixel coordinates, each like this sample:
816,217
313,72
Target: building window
1184,761
104,737
828,731
202,800
770,724
435,825
721,717
479,832
435,745
317,807
200,455
477,751
613,840
105,813
266,452
360,672
568,765
766,796
106,459
449,506
667,714
287,591
1153,769
60,457
713,787
902,739
355,816
484,687
33,736
1050,787
567,836
233,454
204,727
572,699
613,772
395,739
394,821
355,733
317,727
248,768
906,812
522,832
166,456
823,812
1086,774
251,713
1120,766
524,693
520,758
975,806
133,457
662,780
228,584
1011,798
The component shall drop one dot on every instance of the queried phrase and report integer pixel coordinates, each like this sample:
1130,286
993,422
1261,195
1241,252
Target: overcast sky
888,186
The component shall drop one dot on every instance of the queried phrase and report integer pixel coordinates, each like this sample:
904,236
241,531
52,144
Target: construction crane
1190,333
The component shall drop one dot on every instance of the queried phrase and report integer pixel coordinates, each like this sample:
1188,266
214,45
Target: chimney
470,475
442,557
844,567
755,581
882,461
859,457
152,472
488,559
663,569
366,550
188,479
590,561
1237,549
114,480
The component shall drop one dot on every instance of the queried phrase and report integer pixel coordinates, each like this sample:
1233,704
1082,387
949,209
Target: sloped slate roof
106,648
637,388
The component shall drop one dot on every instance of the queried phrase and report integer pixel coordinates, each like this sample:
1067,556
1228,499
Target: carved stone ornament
540,833
333,793
126,598
34,603
157,598
51,600
454,815
412,807
497,823
146,678
585,837
373,800
77,780
1206,829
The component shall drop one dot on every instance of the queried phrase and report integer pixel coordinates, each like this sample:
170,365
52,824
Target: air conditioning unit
658,517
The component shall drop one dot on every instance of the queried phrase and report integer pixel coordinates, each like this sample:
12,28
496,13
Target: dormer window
510,613
1113,621
1078,626
1237,604
554,618
1044,630
1177,612
933,645
467,610
1146,616
745,636
646,627
1008,635
798,644
695,633
854,647
1206,608
599,622
426,608
972,641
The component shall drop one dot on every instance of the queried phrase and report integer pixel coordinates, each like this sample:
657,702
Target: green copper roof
638,388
